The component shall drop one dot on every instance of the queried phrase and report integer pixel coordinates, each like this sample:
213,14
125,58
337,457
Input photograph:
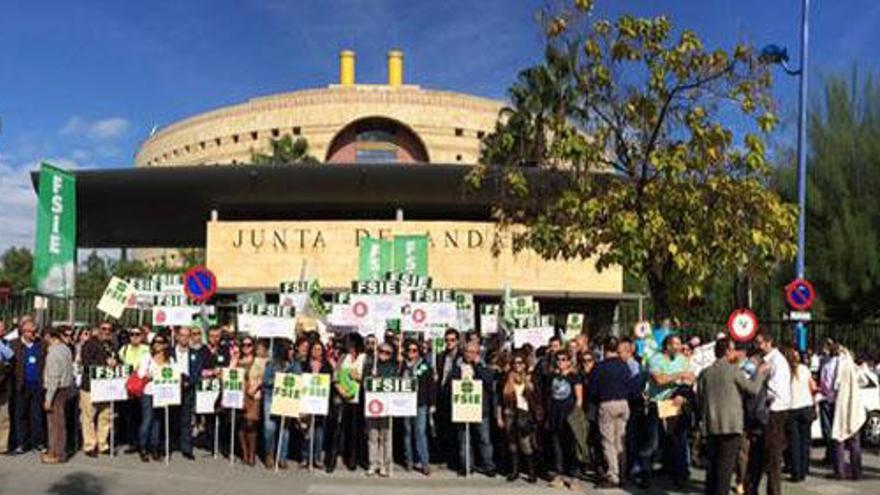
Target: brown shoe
269,462
50,459
282,464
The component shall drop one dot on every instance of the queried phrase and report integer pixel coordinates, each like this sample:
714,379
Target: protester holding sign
316,364
149,370
471,368
280,363
97,351
349,376
378,434
415,429
131,355
190,364
254,368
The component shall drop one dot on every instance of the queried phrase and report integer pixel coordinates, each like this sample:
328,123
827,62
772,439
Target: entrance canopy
169,206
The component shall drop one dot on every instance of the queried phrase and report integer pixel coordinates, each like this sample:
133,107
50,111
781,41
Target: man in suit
719,391
29,362
190,363
446,361
471,368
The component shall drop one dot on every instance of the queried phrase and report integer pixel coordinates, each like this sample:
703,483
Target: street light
777,55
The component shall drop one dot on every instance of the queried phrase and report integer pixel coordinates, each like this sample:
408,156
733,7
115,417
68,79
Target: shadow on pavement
78,484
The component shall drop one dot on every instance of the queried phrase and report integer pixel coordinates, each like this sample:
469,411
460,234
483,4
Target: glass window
370,155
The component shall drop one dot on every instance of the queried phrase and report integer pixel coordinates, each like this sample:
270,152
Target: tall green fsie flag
411,254
54,256
375,259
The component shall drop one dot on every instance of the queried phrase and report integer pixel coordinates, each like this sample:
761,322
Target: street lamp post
775,54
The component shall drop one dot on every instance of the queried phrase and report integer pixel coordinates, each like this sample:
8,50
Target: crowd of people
614,410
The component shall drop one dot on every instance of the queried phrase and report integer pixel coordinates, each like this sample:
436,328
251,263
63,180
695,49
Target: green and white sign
108,383
314,397
411,254
55,251
574,324
390,397
375,258
233,388
286,395
207,393
467,401
166,387
118,295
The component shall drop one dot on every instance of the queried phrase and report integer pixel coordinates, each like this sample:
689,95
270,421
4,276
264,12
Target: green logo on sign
289,381
167,373
467,387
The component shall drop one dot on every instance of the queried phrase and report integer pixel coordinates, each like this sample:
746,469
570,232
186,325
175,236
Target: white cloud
98,130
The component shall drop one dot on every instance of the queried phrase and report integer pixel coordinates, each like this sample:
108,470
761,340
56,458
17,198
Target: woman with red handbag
151,422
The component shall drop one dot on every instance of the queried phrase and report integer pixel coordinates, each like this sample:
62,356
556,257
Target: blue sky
82,83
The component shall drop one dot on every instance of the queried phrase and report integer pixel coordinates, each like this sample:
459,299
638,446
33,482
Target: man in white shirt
779,394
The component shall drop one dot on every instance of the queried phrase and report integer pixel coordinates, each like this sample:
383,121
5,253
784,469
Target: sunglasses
160,342
247,344
412,350
518,362
453,339
135,334
563,358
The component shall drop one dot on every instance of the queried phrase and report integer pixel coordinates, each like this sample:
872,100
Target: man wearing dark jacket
471,368
29,362
446,361
190,363
97,351
611,388
416,428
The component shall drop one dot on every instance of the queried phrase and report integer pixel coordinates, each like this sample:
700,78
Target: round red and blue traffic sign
800,294
199,284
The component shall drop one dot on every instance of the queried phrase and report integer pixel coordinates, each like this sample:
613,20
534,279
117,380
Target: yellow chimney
346,68
395,68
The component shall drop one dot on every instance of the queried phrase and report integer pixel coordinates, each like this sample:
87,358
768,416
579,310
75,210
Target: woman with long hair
518,414
349,431
800,416
316,363
253,367
149,369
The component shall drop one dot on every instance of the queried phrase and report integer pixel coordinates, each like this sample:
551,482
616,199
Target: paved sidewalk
126,475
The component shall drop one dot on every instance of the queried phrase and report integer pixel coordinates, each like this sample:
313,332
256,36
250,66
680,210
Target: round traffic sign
742,325
360,309
199,284
800,294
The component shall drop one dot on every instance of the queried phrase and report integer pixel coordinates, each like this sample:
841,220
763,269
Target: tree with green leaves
285,151
843,210
628,117
16,265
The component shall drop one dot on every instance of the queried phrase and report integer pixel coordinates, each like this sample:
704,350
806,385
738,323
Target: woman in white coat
849,416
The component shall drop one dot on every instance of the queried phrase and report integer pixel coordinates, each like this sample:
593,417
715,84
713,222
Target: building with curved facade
343,123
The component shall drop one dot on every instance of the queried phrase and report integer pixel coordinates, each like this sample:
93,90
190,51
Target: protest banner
314,397
574,325
432,295
54,261
116,297
374,258
166,387
207,393
267,321
341,315
464,305
285,395
371,311
390,397
108,383
173,316
294,294
418,316
489,318
536,336
702,358
232,394
410,281
410,254
467,401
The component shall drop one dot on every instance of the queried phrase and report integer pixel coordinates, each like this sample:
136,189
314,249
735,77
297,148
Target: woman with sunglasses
378,429
566,394
518,414
254,368
415,366
317,364
150,368
131,355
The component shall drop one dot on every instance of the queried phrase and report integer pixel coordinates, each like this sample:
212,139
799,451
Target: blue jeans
270,431
319,440
484,443
417,425
151,424
673,439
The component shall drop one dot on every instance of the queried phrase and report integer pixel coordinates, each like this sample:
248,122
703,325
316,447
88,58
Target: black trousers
721,454
798,426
